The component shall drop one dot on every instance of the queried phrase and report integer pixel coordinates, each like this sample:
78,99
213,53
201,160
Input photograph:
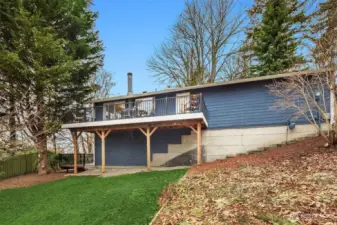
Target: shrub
54,161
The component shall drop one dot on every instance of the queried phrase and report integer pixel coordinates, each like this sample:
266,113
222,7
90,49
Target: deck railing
140,108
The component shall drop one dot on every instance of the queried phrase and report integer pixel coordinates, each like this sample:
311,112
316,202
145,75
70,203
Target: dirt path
29,180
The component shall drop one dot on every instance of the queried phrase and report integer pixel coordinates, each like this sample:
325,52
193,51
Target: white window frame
147,99
111,103
179,97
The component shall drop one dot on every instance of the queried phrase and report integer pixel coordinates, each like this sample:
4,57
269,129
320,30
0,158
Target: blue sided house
189,125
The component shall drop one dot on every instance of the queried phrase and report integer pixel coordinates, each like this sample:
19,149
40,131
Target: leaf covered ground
297,189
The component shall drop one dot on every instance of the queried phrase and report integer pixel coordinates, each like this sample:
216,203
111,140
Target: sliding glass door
113,111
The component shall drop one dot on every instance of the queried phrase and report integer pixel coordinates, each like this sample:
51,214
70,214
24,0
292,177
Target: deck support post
75,136
103,134
148,133
103,152
199,143
148,148
198,133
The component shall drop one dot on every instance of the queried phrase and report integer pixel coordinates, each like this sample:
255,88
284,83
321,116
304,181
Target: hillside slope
292,184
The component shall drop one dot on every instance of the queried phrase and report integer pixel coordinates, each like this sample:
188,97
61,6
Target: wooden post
103,152
74,134
103,136
148,133
198,132
148,148
199,143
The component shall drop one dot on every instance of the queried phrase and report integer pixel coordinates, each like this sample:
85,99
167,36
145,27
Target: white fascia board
154,119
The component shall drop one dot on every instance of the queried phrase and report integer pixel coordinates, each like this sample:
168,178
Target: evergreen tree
55,51
324,34
273,43
8,30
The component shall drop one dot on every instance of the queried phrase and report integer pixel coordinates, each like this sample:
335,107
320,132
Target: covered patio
147,126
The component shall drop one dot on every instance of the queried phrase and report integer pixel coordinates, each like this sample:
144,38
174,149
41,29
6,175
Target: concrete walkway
121,170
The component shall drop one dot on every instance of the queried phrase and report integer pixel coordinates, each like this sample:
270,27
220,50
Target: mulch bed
284,152
30,179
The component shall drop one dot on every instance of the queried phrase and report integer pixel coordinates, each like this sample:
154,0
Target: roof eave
225,83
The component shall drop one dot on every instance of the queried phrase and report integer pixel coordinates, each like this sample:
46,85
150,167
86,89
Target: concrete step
159,159
189,139
180,148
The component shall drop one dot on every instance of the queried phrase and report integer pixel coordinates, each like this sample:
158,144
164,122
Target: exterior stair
188,142
221,143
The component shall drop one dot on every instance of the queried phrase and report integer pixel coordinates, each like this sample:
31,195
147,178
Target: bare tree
201,42
103,82
322,48
306,96
235,67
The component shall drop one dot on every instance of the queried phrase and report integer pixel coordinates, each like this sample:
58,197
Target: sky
130,31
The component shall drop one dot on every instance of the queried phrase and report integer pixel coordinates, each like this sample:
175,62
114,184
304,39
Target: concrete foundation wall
125,148
220,143
228,142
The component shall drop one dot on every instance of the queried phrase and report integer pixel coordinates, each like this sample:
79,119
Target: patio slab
121,170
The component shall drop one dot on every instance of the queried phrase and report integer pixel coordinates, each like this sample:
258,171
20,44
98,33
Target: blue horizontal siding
231,106
244,105
128,148
239,105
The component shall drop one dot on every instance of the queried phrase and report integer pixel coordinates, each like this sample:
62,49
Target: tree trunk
41,136
333,108
12,122
54,143
83,143
89,141
41,146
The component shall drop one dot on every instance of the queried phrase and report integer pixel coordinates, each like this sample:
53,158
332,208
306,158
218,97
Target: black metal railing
82,158
140,108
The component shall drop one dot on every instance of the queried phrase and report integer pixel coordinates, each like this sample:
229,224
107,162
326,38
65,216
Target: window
182,102
145,106
113,110
186,102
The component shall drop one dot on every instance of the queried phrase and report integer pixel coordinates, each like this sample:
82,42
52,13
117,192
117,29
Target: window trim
148,99
111,103
178,95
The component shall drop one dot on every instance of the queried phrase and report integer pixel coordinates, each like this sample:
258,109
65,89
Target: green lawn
128,199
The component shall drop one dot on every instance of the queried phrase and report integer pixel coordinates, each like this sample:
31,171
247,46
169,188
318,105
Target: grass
127,199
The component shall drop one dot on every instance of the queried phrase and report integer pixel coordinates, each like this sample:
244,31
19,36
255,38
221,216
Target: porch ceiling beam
154,130
79,134
193,129
97,132
107,133
174,124
142,131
